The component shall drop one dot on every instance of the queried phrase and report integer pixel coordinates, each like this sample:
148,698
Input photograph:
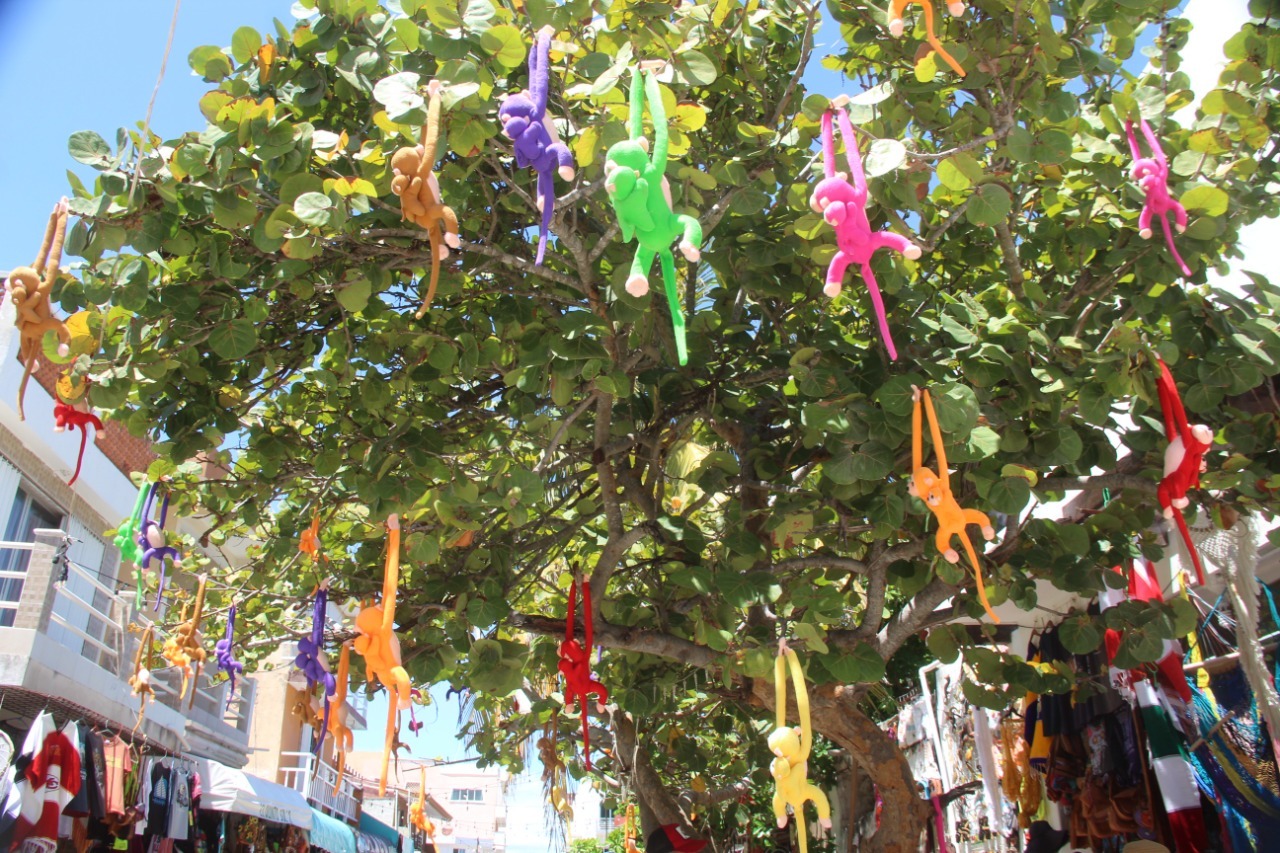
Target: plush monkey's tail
586,734
932,38
1186,540
977,574
546,192
436,240
1173,249
801,829
877,302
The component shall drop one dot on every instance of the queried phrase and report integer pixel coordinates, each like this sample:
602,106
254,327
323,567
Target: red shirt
50,781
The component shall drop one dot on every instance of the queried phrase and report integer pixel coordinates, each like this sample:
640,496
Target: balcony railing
67,638
314,779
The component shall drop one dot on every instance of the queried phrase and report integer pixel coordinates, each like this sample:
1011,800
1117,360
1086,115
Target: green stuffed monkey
641,198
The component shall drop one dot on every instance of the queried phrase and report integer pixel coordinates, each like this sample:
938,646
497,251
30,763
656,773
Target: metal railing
314,778
70,605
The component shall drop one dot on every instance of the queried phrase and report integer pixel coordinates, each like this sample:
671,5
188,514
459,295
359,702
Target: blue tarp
331,834
378,829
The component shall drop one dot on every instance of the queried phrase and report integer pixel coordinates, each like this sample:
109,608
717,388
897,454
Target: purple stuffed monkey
844,206
525,121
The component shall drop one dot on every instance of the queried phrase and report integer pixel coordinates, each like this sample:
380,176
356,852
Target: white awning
228,790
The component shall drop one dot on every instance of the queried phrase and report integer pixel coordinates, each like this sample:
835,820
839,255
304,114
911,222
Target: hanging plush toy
526,123
222,652
342,738
791,747
641,197
935,490
30,289
127,536
630,831
309,543
313,662
184,648
68,416
897,7
575,665
1152,175
844,206
140,681
378,643
553,770
419,191
1183,460
418,811
154,543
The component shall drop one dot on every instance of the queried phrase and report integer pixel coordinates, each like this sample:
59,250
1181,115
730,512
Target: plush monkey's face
926,486
831,190
22,282
516,114
625,162
406,161
1203,435
785,743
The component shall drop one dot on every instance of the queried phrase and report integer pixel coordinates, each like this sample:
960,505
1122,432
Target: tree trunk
836,716
658,806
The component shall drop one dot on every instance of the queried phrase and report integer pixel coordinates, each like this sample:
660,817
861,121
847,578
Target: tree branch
560,433
911,618
638,640
1096,484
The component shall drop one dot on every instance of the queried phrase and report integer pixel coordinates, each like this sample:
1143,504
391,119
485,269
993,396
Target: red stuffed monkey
1183,459
575,664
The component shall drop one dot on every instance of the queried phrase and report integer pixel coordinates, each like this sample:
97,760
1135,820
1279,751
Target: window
467,795
25,517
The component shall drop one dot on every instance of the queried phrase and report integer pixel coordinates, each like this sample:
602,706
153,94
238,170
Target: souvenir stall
249,815
74,778
1170,747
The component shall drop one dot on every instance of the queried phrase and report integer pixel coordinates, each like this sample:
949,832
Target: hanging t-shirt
159,800
117,762
49,783
96,776
179,804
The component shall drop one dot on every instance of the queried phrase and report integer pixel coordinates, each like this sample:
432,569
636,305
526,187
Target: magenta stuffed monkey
1152,175
844,206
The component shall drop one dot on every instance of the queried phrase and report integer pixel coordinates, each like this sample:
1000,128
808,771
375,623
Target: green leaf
693,68
89,148
1009,495
989,205
1210,201
505,44
959,172
860,665
399,93
942,643
885,156
1080,635
811,635
354,295
313,208
233,340
245,43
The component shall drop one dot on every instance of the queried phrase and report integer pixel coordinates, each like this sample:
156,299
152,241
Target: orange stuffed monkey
185,646
376,640
935,490
897,7
338,728
29,290
418,811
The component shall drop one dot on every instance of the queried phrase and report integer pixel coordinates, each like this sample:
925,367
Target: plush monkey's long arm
828,146
391,575
802,704
637,105
851,152
1175,416
659,115
780,689
939,450
917,437
540,74
430,133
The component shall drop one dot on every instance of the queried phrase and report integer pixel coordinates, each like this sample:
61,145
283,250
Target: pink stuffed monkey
844,206
1152,175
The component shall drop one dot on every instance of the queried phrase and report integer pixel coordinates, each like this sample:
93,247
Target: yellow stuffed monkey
791,746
